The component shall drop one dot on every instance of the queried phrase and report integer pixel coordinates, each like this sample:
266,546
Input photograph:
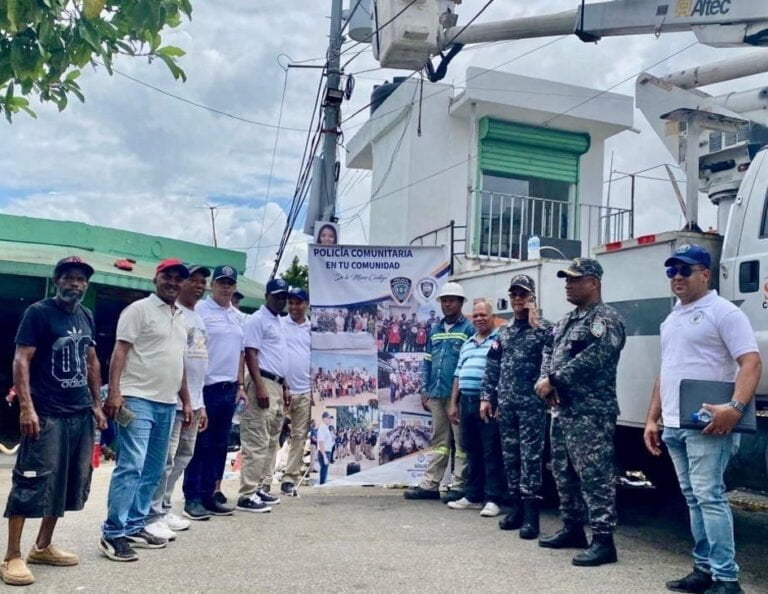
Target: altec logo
703,7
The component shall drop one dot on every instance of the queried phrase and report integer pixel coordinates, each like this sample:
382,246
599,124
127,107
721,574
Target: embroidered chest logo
696,318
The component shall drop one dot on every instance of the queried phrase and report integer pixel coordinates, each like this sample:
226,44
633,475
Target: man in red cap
146,376
57,377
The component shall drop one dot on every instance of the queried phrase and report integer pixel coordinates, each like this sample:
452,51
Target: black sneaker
696,582
419,493
253,504
219,497
117,549
289,489
267,498
144,540
194,510
218,509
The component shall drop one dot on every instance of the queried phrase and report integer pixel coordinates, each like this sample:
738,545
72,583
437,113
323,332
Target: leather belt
272,376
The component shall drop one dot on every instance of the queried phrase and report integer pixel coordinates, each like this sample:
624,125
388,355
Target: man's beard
70,296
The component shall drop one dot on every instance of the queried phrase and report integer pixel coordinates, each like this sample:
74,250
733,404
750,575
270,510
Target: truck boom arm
719,23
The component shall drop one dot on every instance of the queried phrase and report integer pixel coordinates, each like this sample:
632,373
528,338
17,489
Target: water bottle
96,453
702,416
534,247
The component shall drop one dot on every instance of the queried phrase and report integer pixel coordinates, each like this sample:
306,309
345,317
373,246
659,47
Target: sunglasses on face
684,270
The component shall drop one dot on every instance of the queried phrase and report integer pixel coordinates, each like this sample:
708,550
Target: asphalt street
371,539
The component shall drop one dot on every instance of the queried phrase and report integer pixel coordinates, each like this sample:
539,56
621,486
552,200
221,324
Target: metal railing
503,222
452,234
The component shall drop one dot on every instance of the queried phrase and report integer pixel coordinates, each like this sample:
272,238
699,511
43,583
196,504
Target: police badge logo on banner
401,288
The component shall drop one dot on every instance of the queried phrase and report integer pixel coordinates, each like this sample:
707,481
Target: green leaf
173,52
177,72
72,75
89,35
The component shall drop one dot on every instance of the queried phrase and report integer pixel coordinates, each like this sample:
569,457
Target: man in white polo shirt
260,423
162,521
146,377
223,388
705,337
297,337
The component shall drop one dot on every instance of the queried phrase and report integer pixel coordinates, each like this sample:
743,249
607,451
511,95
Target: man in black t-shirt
57,378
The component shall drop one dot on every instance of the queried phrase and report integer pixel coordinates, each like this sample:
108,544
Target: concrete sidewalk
371,539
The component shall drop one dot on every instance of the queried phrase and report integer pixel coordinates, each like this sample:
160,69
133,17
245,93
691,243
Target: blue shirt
442,354
471,366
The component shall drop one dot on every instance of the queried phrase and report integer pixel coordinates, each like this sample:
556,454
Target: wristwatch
739,406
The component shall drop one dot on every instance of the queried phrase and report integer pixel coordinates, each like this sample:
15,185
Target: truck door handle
749,276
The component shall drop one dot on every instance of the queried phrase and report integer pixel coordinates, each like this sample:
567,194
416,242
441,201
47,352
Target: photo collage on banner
372,309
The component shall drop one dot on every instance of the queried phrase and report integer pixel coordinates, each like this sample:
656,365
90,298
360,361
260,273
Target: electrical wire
472,20
206,107
381,28
274,155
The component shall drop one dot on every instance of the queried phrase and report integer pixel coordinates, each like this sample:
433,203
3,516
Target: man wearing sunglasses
704,337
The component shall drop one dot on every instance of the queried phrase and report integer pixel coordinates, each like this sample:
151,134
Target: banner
372,308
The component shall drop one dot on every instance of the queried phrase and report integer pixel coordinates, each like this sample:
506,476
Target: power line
379,29
621,82
205,107
274,155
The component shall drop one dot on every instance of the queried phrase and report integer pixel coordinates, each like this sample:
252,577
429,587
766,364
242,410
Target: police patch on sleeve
597,328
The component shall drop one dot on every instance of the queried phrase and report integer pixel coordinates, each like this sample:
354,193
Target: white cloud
134,158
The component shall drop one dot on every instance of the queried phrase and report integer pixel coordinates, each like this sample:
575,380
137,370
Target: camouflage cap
582,267
524,282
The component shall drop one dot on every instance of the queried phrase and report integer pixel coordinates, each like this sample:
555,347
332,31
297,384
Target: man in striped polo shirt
479,436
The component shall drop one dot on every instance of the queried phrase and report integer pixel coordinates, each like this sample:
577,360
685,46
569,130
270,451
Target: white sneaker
160,530
491,510
176,523
464,503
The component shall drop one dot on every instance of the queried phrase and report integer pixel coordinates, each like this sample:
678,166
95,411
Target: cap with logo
582,267
171,263
690,253
204,270
72,262
298,293
523,281
225,271
276,286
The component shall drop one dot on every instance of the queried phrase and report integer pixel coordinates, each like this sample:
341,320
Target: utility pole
334,95
213,224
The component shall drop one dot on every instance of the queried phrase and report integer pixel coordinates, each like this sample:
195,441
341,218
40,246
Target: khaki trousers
301,405
259,432
444,434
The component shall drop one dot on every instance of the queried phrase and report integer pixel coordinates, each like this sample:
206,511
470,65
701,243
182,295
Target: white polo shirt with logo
155,363
298,343
224,326
701,340
264,331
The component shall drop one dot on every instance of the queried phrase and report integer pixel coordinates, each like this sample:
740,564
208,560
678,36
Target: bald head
482,312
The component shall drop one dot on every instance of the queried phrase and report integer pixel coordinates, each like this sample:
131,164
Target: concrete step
749,500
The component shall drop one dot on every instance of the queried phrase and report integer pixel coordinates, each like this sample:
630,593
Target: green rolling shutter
516,149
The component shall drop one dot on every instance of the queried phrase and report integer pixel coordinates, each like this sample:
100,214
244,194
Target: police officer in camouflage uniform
578,380
511,371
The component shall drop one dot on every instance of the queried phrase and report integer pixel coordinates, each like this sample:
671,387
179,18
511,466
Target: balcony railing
502,223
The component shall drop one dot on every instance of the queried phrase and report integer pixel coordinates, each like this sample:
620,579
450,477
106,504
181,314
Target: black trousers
481,441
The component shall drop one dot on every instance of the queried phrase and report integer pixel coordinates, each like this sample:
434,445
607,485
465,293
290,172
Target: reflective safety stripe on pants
443,434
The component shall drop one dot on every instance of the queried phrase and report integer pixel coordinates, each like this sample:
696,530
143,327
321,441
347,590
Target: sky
135,158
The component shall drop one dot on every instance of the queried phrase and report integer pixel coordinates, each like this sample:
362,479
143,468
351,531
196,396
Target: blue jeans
210,457
700,461
324,461
142,451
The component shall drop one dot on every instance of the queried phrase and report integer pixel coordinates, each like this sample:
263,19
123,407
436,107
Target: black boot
514,518
697,581
530,528
570,536
601,551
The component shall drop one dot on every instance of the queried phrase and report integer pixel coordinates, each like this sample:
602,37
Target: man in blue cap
260,423
704,337
297,327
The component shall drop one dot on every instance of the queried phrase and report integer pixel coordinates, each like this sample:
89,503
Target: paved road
358,539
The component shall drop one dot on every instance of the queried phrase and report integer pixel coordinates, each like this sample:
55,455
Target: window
764,221
512,208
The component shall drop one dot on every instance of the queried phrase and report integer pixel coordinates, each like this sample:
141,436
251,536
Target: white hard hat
452,290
